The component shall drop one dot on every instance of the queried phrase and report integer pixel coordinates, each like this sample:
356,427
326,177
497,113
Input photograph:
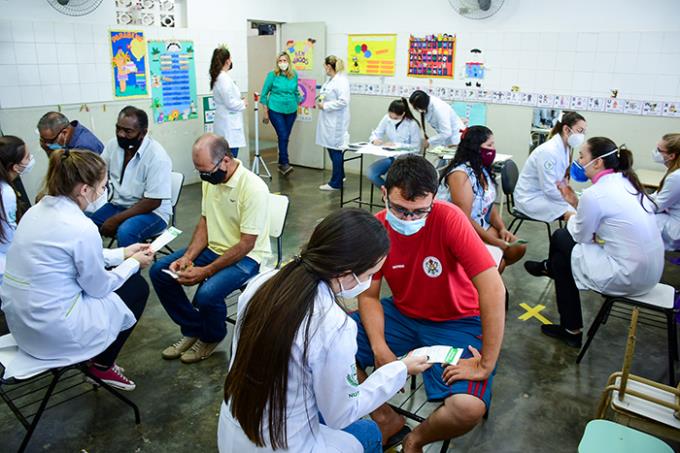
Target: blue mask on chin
404,227
577,172
54,146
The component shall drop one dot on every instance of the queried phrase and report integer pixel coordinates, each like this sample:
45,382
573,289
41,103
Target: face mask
658,157
94,206
216,177
395,122
54,146
578,173
404,227
354,292
488,156
29,166
283,66
129,143
576,139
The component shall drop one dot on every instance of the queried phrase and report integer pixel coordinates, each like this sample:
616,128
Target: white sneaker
327,188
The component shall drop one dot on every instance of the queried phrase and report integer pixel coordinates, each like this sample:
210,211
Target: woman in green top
280,97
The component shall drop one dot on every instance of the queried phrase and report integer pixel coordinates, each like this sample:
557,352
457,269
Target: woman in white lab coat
229,105
61,303
397,128
292,382
611,244
667,197
536,194
15,160
332,128
440,116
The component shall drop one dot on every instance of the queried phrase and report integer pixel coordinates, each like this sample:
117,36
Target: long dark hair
348,240
568,119
468,151
12,151
400,107
420,100
621,162
219,58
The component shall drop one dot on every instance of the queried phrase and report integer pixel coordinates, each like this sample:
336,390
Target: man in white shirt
139,175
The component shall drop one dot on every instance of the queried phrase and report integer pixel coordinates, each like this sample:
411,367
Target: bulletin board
208,113
301,54
371,54
432,56
173,81
128,62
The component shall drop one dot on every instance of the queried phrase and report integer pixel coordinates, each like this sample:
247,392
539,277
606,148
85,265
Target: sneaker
176,350
285,170
327,188
559,332
112,376
199,351
537,268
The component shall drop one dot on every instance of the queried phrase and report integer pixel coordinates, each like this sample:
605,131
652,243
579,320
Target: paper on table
165,238
440,354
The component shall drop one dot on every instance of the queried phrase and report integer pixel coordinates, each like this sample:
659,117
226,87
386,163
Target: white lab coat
332,127
330,374
536,193
408,132
57,295
668,211
229,109
444,120
627,259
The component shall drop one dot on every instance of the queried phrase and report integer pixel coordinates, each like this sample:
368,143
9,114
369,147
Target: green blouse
280,93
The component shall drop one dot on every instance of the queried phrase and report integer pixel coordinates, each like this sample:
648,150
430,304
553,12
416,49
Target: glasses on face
405,213
49,141
208,173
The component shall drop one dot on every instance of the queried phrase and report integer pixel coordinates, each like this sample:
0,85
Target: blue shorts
403,334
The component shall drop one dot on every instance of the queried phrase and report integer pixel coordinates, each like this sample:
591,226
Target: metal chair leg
593,328
521,221
672,347
413,383
113,392
41,410
445,446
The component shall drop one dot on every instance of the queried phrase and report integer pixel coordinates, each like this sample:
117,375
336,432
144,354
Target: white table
650,178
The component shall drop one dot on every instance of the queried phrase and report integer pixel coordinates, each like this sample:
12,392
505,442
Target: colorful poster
432,56
208,113
173,81
307,89
128,61
371,54
301,54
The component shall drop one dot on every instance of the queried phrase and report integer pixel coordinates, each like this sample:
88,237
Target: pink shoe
113,376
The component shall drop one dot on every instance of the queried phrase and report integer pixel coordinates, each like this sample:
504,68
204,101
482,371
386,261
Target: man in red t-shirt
446,290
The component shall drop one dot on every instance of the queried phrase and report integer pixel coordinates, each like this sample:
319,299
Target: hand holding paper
446,355
165,238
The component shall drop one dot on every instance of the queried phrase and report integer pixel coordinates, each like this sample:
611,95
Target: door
309,36
261,60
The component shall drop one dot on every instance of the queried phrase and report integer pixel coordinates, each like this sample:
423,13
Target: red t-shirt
430,272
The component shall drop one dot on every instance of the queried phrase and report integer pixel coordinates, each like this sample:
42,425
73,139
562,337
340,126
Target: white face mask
29,166
94,206
658,157
283,66
354,292
395,122
576,139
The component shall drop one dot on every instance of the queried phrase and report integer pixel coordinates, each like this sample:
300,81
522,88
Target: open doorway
263,45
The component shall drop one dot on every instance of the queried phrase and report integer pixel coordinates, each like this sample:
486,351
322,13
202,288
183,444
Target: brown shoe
199,351
175,351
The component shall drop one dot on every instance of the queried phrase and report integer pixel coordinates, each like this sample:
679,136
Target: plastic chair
603,436
639,402
660,299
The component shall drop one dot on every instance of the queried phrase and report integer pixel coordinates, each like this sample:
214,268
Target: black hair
219,59
400,107
420,100
414,175
12,152
468,151
139,114
568,119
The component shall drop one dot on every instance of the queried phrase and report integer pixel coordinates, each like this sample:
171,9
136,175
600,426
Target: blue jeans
133,230
283,125
366,432
234,151
206,317
338,168
377,169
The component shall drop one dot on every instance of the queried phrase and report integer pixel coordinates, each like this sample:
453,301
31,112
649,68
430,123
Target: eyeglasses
208,173
404,213
49,141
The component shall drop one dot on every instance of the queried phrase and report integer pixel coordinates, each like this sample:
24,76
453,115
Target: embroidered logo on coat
432,267
548,165
352,377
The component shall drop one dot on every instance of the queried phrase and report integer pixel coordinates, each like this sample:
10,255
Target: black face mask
216,177
129,143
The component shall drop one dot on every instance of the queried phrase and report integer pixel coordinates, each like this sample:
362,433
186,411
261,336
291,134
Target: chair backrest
509,177
630,350
176,184
278,213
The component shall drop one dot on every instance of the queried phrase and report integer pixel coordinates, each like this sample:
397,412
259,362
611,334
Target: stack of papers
440,354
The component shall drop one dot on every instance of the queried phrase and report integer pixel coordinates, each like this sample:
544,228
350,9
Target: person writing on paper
15,160
229,104
228,245
667,197
280,98
332,128
139,173
397,128
433,246
307,398
468,182
57,132
611,244
440,116
536,194
61,303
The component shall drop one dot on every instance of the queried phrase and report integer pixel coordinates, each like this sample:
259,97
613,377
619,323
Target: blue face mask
578,173
404,227
54,146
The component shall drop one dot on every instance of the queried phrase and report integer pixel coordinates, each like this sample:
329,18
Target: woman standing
536,194
667,197
229,105
332,129
280,97
611,244
292,383
61,303
468,182
15,160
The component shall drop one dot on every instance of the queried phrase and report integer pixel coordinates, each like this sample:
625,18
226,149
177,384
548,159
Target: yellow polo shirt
239,205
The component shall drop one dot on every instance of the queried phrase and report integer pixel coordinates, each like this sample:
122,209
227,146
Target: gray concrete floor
541,398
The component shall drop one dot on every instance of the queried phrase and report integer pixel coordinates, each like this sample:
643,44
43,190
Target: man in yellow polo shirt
228,245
